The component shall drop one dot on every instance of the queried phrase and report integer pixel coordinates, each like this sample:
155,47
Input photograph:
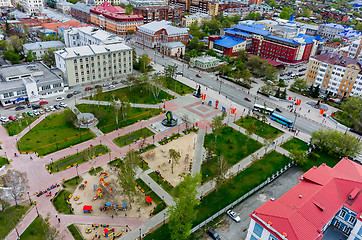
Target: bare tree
217,125
156,85
187,121
50,233
98,96
220,172
175,156
131,79
125,105
250,130
116,107
15,184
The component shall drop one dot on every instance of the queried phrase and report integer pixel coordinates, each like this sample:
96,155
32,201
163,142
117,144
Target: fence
242,198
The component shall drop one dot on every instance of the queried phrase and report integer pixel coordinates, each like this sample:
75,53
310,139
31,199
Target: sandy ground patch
160,160
99,231
114,196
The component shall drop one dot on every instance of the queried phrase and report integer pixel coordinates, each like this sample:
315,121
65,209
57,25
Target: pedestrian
56,215
59,220
31,158
309,111
112,216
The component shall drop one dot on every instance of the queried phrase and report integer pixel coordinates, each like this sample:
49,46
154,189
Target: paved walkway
199,152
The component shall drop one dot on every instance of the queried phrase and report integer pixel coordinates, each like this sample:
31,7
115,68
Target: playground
99,231
101,195
159,159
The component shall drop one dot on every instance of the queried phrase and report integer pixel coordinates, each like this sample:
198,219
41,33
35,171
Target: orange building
113,19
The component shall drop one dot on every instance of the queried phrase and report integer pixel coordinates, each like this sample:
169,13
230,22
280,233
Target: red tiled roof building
325,203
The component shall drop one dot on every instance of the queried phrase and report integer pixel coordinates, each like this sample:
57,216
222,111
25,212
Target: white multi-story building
336,74
32,6
353,50
40,48
197,18
331,30
28,82
5,3
75,37
94,63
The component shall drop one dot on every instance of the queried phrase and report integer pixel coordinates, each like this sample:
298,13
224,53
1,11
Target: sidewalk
199,152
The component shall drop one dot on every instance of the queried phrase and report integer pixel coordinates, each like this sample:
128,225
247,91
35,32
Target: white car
52,108
64,105
59,99
233,216
4,119
36,113
19,117
41,111
48,109
111,87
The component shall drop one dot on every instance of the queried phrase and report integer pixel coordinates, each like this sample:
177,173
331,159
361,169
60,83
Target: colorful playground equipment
76,198
148,200
99,194
88,230
87,209
107,232
82,186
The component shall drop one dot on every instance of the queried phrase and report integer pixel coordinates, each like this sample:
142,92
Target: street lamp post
36,208
77,151
164,218
76,167
140,233
109,157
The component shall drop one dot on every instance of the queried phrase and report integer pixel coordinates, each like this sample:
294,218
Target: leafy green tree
358,27
48,58
299,156
315,93
144,62
286,13
277,93
129,10
3,44
250,130
14,44
183,213
271,72
170,71
12,56
30,56
225,69
220,171
127,173
306,12
273,4
243,55
352,112
217,125
299,85
207,29
175,156
156,84
283,95
235,19
211,52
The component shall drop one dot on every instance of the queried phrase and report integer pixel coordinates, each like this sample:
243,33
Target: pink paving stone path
39,178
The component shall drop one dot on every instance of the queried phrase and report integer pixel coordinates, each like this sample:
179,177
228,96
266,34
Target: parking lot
233,230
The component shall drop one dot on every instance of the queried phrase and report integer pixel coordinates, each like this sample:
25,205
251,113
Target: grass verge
54,133
96,170
160,204
129,138
263,130
160,181
178,87
3,161
75,233
17,126
10,217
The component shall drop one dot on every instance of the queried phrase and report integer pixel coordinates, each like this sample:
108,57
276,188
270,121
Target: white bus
262,109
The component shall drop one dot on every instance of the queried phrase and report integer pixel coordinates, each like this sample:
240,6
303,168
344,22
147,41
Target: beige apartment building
94,63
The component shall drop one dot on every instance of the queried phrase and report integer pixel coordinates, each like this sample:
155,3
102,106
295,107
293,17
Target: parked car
278,110
69,95
48,109
30,114
60,98
43,102
233,216
4,119
198,75
88,88
114,82
52,108
213,234
36,113
76,92
41,111
56,107
106,84
123,80
19,108
111,86
12,118
29,105
97,86
64,105
247,99
35,106
20,117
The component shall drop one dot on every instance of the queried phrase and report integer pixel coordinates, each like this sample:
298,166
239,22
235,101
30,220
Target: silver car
233,216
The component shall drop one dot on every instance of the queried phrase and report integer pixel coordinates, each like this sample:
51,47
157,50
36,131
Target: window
352,219
271,237
258,230
253,238
337,224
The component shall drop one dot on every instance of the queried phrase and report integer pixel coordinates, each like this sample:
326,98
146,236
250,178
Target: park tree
124,105
30,56
270,72
131,80
277,93
220,172
116,107
143,62
299,156
129,10
250,130
243,55
156,84
336,143
170,71
50,233
175,156
267,144
225,69
183,213
217,125
98,95
3,203
15,184
299,85
283,95
13,43
352,112
315,92
126,175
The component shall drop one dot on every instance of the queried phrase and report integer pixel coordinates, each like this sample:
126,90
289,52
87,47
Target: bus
281,120
262,109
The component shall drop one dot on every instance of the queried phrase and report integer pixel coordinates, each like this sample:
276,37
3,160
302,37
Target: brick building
155,33
337,16
81,12
113,19
159,13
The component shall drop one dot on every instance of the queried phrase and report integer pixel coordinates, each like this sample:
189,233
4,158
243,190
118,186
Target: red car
247,99
88,88
43,102
12,118
198,75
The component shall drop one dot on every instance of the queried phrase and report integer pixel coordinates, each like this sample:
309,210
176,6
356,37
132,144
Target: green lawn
135,94
160,181
229,144
3,161
54,133
337,116
117,162
324,157
10,217
107,122
62,164
75,233
16,127
72,183
178,87
35,230
129,138
60,202
233,189
160,204
294,144
263,130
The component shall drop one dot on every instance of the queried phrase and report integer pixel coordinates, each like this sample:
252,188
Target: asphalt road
234,92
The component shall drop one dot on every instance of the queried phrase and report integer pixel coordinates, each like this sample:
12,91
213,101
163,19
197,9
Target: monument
198,93
85,120
169,121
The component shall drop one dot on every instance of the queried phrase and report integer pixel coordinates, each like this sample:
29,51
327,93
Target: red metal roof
114,13
305,209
